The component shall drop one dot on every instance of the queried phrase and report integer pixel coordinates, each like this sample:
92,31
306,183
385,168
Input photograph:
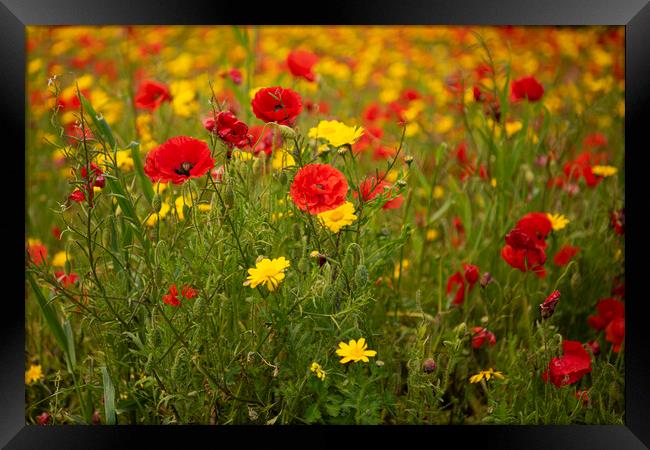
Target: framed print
359,222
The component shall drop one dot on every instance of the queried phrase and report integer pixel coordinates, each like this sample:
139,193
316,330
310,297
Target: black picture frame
15,15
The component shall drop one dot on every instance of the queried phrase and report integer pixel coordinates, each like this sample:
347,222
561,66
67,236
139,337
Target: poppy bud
229,197
303,265
96,418
486,279
297,231
156,203
361,276
594,346
548,307
100,181
286,132
283,178
408,160
43,419
429,366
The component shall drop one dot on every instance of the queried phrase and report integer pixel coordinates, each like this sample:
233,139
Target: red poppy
615,333
37,252
77,196
151,94
582,395
66,279
526,243
608,309
548,307
481,336
471,273
456,281
232,131
372,112
188,292
178,159
528,88
235,76
573,365
56,232
564,255
318,187
370,189
172,297
594,347
594,140
43,419
277,104
301,63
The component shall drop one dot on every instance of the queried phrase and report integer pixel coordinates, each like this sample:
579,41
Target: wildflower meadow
325,225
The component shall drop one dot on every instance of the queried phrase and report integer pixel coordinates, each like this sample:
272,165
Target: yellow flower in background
33,374
487,374
438,192
354,351
513,127
59,259
178,205
181,65
432,235
242,155
282,159
164,210
604,171
318,370
558,221
443,124
336,133
183,98
337,218
267,271
405,265
493,182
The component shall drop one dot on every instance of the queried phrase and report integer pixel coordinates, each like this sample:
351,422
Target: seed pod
361,276
429,366
229,196
287,132
283,178
177,366
156,203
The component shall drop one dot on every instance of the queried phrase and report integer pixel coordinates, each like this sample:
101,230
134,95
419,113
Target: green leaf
99,121
70,341
313,413
144,180
109,398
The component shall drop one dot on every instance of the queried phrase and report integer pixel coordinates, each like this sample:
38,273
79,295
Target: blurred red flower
172,297
573,365
231,130
277,104
370,189
456,281
481,336
471,273
37,252
301,63
77,196
66,279
188,292
526,243
608,309
564,255
178,159
527,88
615,333
618,221
264,143
318,187
151,94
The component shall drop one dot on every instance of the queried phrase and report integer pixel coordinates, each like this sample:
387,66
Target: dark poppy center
185,169
278,107
319,186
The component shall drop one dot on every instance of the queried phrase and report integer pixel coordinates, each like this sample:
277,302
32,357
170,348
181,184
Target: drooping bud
43,419
156,203
361,276
96,418
286,132
548,307
486,279
429,366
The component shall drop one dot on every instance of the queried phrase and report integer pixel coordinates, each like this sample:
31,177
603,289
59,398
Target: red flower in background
471,273
526,243
594,140
178,159
265,144
37,251
301,63
615,333
77,196
43,419
66,279
456,281
573,365
370,189
618,221
608,309
277,104
564,255
318,187
188,292
172,297
527,88
151,94
235,76
481,336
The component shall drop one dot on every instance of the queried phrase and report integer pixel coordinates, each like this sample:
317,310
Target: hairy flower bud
156,203
429,365
361,276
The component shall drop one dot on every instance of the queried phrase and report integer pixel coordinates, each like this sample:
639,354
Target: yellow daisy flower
354,351
337,218
59,259
487,374
558,221
33,374
604,171
267,271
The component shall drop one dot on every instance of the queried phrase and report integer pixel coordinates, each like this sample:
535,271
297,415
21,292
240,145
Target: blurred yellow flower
337,218
33,374
558,221
336,133
318,370
604,171
487,374
59,259
164,210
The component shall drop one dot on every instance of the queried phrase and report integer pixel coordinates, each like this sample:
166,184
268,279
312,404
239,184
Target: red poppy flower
232,131
456,281
582,395
188,292
528,88
548,307
573,365
37,252
481,336
594,347
66,279
151,94
43,419
525,244
608,309
301,63
235,76
56,232
264,143
471,273
77,196
172,297
370,189
318,187
594,140
564,255
178,159
372,112
615,333
277,104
